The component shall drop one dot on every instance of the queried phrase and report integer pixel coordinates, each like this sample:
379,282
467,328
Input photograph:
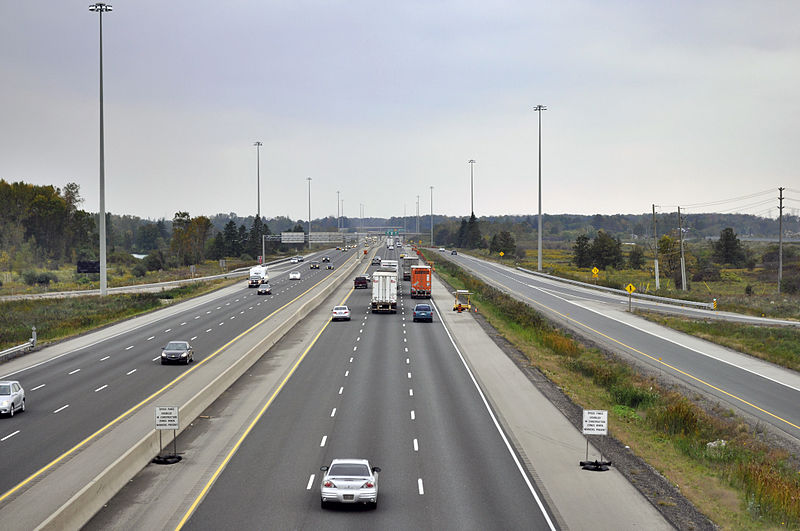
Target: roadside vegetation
717,461
61,318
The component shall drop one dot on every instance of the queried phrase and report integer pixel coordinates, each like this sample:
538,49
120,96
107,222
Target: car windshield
422,308
176,345
349,470
5,389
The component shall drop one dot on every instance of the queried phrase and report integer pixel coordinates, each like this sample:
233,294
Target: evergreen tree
728,249
606,251
242,241
636,258
582,251
474,238
231,237
217,247
461,238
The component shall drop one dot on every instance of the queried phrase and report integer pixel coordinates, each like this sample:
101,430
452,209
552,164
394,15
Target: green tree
231,238
582,251
606,251
728,249
503,242
474,238
636,257
217,247
669,256
181,237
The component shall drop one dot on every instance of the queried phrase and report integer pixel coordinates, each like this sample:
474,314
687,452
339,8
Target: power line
731,200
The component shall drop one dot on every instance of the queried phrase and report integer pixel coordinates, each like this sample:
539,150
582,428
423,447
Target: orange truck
420,282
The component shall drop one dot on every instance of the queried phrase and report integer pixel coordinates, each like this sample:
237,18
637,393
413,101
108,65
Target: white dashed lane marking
73,372
419,484
101,388
151,337
130,372
416,446
192,338
413,416
209,330
183,323
38,387
341,389
310,482
104,358
62,408
322,442
128,348
155,359
168,330
333,412
410,392
9,436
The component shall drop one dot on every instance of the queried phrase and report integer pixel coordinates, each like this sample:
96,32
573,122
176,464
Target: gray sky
672,103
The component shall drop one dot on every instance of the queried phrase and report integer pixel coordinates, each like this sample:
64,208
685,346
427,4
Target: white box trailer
409,261
258,276
384,292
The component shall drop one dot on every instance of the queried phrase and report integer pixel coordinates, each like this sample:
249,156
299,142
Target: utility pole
539,109
471,193
683,260
780,237
338,216
431,216
655,249
309,212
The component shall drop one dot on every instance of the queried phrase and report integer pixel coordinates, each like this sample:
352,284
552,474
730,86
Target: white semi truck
384,292
258,276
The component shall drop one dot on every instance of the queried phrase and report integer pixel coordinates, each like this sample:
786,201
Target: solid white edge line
310,482
496,423
9,436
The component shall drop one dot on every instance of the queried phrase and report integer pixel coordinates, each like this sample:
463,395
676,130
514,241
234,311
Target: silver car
350,481
177,352
12,397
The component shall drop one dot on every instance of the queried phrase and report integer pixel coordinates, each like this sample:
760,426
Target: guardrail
13,352
655,298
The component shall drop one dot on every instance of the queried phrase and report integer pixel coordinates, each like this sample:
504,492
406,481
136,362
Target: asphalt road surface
72,395
395,392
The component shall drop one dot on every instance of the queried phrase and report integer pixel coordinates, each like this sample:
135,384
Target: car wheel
373,505
322,504
11,410
23,405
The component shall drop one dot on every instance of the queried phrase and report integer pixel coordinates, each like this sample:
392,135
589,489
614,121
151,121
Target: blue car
423,312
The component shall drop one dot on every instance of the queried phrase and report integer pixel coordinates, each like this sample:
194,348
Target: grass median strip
719,463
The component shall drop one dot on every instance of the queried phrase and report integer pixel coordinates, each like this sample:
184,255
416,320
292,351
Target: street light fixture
258,198
539,109
101,8
309,212
471,194
431,216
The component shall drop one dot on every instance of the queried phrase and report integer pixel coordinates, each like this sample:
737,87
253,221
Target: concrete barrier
80,508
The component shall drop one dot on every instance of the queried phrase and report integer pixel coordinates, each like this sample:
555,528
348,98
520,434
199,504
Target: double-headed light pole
539,109
101,8
309,212
431,216
258,145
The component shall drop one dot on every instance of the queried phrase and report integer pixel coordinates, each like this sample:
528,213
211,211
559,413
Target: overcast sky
673,103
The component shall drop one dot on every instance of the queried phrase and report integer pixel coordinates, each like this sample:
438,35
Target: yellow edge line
69,452
657,360
252,424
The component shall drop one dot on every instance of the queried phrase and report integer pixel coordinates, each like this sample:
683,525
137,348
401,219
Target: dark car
177,352
423,312
264,289
329,266
360,283
453,252
314,265
326,258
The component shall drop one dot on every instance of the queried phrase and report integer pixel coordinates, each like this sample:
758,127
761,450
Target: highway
762,390
397,393
73,393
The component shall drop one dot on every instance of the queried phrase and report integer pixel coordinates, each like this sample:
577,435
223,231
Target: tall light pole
417,215
309,212
101,8
431,216
471,194
539,109
258,145
338,217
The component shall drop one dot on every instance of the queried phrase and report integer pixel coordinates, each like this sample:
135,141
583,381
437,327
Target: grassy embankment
742,484
65,317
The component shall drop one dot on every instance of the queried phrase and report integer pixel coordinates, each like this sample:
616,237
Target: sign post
630,288
595,271
167,419
595,422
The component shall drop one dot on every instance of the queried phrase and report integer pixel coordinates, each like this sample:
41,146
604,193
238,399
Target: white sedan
350,481
294,275
340,312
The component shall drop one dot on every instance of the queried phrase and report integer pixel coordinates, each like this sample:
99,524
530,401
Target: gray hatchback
177,352
12,397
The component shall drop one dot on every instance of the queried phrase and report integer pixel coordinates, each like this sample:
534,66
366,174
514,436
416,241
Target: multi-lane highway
73,394
757,388
397,393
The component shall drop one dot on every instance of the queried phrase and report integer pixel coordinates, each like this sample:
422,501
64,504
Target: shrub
43,279
139,270
632,396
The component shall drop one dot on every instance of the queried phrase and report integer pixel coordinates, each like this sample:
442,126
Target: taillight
367,485
329,484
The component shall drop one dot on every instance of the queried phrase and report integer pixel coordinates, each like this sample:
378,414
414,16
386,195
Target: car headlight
184,354
4,403
163,354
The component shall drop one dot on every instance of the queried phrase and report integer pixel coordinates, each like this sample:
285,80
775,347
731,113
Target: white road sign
595,422
293,237
167,417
